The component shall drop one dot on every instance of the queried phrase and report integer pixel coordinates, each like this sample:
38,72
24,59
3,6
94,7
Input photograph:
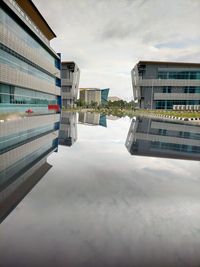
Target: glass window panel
179,75
18,31
16,63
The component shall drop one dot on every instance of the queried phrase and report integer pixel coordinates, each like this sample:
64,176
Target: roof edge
169,62
34,6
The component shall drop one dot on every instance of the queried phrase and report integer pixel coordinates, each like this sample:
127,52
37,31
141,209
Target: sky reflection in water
101,206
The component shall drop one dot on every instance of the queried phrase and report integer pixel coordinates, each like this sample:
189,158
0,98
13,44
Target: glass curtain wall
7,22
26,162
16,63
17,99
168,104
188,75
13,140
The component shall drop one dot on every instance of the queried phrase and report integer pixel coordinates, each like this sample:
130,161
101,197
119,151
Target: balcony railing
167,82
176,96
66,82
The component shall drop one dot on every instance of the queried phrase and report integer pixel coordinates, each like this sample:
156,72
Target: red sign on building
54,107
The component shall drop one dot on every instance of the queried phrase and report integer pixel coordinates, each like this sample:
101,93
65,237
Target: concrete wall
89,96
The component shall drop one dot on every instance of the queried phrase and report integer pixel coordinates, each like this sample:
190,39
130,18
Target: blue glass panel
104,96
17,99
58,82
191,75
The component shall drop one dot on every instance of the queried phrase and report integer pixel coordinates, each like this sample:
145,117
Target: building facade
30,89
68,128
156,137
29,68
70,76
89,95
94,95
166,85
92,119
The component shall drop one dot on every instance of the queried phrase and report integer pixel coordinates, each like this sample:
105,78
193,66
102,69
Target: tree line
120,104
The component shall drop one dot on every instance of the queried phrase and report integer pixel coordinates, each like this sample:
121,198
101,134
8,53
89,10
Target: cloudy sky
107,37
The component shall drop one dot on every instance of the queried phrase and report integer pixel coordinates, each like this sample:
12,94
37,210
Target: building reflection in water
25,144
68,128
90,118
69,121
156,137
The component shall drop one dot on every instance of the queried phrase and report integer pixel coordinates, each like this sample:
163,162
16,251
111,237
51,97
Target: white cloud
107,38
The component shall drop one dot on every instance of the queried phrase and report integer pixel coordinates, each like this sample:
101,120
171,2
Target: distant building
155,137
91,118
89,95
166,85
70,76
68,128
114,98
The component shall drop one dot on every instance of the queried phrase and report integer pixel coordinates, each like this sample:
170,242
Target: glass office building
29,68
166,85
30,101
156,137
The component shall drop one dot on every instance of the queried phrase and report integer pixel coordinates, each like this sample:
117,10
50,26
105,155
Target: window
12,96
12,26
167,89
16,63
65,73
10,141
160,104
58,82
66,89
192,90
26,161
175,147
191,75
57,63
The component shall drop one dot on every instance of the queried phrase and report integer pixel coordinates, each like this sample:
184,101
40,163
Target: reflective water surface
125,194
